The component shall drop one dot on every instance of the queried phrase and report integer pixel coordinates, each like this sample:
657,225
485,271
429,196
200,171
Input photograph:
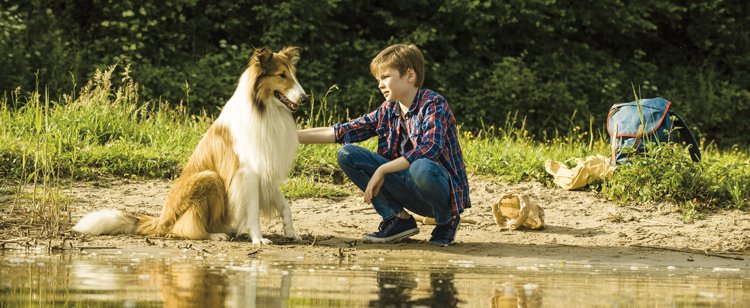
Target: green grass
666,173
511,155
106,131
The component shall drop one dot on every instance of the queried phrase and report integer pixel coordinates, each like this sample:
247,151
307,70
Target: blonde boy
418,165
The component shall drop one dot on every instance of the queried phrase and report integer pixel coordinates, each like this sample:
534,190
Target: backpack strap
687,136
613,145
638,139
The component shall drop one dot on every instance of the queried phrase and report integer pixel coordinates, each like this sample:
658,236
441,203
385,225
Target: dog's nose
304,99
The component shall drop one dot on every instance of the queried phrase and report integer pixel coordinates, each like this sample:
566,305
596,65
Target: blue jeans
422,189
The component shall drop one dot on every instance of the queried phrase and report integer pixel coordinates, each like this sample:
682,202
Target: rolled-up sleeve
358,129
433,125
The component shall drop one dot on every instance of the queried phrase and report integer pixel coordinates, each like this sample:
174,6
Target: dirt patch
580,227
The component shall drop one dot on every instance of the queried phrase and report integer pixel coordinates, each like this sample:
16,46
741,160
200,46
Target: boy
418,166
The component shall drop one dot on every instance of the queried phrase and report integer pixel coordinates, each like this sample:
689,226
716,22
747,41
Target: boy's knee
342,156
424,172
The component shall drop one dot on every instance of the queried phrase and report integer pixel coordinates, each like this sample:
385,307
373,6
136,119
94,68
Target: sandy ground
581,228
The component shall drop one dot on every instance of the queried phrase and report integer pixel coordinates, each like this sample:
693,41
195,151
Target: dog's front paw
294,237
218,237
262,241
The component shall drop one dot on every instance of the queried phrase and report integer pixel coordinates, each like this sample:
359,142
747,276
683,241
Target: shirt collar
413,108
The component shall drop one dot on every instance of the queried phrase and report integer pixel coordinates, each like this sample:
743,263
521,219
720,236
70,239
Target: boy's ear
292,53
261,57
411,75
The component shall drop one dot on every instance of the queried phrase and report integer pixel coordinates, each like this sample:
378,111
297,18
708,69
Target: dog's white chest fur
265,143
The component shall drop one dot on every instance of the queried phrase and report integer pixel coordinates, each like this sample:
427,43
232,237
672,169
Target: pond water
180,278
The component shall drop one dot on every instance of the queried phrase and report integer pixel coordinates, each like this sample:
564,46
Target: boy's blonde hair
400,57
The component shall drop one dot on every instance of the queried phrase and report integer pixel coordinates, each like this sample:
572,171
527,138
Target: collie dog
234,174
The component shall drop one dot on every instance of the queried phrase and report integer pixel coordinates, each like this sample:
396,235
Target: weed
309,186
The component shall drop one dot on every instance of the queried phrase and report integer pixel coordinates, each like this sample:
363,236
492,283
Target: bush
545,59
666,173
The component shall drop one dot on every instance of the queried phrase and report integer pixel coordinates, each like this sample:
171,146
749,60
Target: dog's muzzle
289,103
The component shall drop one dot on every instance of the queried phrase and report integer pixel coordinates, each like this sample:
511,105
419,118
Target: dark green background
546,59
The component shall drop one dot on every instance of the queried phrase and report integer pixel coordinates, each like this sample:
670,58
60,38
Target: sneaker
393,230
444,235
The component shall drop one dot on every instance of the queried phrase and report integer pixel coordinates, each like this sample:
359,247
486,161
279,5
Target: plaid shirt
431,130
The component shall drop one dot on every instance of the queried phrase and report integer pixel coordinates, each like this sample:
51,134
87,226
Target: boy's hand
374,185
376,182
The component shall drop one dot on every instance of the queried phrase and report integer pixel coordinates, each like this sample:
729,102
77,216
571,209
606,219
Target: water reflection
183,285
143,282
396,289
517,295
176,280
256,285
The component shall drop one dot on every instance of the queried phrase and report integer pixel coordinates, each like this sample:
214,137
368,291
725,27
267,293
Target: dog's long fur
235,172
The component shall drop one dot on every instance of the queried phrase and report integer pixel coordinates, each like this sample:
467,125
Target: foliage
666,173
543,58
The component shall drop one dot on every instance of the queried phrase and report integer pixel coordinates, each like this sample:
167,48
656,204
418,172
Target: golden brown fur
196,205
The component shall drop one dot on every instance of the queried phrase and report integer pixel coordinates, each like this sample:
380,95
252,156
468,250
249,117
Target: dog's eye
282,75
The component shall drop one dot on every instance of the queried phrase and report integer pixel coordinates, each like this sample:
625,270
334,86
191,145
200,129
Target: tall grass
46,206
510,154
106,131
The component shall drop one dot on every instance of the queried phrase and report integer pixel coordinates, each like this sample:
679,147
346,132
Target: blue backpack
630,128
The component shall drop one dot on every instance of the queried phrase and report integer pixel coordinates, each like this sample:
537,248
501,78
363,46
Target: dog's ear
261,57
291,53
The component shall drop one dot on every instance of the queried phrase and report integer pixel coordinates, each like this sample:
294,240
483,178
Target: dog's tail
107,221
112,222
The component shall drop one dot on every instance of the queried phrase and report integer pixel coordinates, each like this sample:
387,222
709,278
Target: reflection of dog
183,284
179,284
235,172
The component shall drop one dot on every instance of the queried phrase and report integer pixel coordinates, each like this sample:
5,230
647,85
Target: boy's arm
316,135
355,130
395,165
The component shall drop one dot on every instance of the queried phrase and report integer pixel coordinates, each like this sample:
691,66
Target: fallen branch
705,253
80,248
486,217
431,221
648,239
361,209
661,225
23,242
15,240
196,248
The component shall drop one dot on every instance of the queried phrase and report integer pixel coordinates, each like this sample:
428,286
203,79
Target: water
180,278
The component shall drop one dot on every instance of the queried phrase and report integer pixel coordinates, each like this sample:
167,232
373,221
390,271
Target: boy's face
396,87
